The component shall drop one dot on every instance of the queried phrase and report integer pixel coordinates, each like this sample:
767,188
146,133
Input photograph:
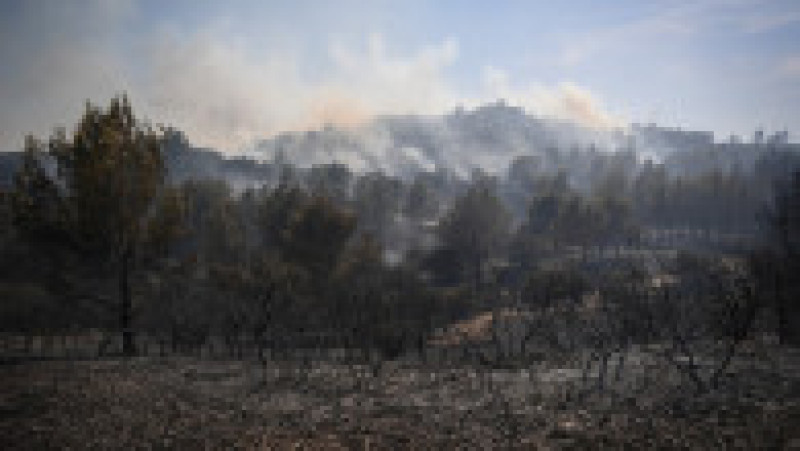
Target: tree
705,316
778,264
330,180
474,229
316,235
275,210
577,221
616,225
95,193
378,308
377,199
555,219
217,234
650,188
420,202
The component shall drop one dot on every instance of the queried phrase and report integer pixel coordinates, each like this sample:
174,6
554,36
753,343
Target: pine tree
98,193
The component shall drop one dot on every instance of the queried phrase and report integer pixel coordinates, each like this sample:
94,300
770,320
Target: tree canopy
97,193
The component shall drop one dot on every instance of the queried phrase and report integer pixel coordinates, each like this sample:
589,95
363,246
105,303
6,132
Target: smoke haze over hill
229,81
223,96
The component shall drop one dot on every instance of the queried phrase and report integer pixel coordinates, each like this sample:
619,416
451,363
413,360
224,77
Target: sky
229,73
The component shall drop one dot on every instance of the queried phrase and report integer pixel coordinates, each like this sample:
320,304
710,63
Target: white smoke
222,96
211,86
566,100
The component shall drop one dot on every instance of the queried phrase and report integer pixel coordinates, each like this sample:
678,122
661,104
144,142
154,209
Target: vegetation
629,267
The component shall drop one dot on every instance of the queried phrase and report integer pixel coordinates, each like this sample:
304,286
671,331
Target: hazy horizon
231,74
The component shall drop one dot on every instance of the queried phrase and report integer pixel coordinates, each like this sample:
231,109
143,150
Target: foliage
777,264
95,194
474,229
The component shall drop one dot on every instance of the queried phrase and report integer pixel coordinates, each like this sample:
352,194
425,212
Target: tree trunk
780,307
128,344
601,374
620,364
258,348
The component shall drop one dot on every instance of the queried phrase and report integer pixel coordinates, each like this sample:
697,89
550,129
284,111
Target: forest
586,292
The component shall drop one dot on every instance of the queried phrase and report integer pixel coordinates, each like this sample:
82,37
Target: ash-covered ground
190,403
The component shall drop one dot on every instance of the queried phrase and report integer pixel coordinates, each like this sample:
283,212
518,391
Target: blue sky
230,72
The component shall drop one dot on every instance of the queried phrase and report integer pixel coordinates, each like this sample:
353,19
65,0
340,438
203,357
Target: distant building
651,135
779,138
758,137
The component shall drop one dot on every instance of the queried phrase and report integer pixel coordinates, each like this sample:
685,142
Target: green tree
474,230
95,193
217,234
374,307
275,210
316,235
555,219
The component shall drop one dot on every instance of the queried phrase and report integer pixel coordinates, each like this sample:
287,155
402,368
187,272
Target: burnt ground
189,403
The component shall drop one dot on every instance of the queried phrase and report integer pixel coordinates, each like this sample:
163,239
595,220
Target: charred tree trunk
128,343
601,373
620,363
173,336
